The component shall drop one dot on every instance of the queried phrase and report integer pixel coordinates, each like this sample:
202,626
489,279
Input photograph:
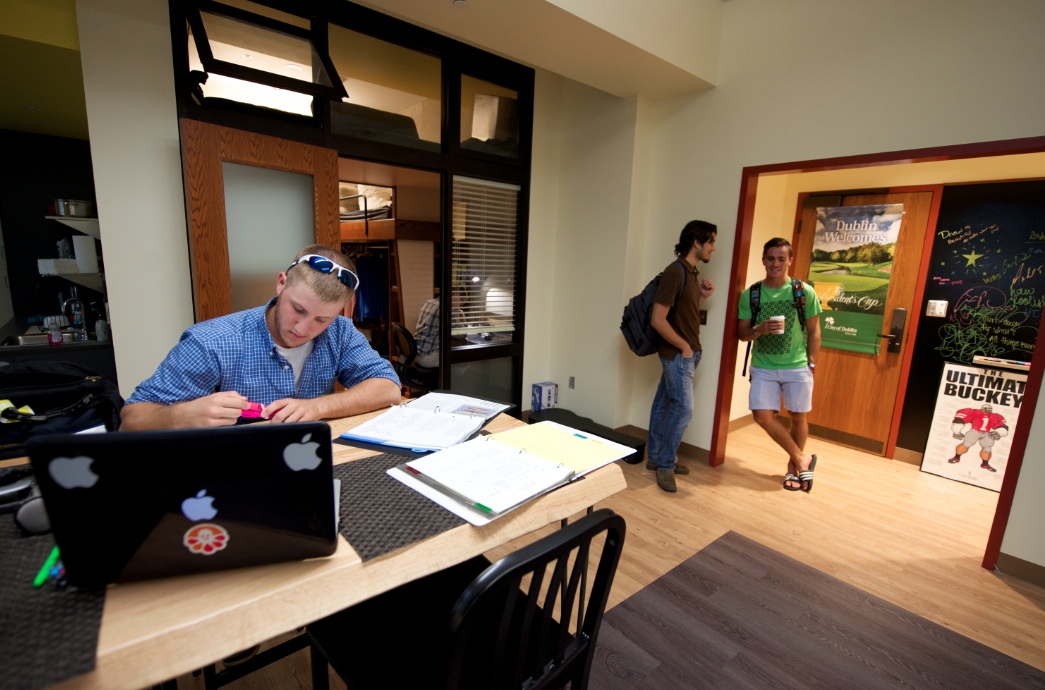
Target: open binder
487,476
407,426
484,478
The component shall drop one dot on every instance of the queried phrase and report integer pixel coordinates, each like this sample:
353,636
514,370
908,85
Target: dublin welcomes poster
972,426
850,270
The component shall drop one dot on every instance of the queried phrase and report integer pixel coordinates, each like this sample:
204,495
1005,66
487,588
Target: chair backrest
529,621
406,346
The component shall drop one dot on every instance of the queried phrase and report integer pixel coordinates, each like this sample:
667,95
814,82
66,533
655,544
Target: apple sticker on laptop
206,539
73,473
302,456
199,507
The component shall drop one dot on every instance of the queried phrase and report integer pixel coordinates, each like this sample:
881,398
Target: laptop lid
135,505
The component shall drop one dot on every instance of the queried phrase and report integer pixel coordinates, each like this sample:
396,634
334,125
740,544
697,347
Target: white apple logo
302,456
70,473
201,507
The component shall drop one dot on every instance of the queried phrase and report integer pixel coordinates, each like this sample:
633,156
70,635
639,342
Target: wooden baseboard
852,440
1021,569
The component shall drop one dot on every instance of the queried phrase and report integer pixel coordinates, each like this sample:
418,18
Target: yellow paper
580,451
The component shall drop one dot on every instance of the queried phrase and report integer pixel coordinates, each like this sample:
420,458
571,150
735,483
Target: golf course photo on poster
851,266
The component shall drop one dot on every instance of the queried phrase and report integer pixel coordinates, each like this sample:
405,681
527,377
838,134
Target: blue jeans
672,409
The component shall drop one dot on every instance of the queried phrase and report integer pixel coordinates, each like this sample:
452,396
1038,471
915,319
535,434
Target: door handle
895,335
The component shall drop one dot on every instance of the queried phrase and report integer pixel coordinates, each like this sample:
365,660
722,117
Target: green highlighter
41,577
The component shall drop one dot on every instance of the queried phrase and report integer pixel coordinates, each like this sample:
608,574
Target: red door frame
742,249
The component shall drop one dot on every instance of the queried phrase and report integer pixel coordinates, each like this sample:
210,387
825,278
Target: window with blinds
485,229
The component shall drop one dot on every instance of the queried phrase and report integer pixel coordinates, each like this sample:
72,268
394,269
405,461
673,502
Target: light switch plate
936,307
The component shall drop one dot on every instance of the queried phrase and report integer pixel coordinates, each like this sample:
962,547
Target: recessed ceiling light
460,3
294,67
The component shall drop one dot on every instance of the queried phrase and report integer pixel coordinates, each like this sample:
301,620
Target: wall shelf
94,281
88,226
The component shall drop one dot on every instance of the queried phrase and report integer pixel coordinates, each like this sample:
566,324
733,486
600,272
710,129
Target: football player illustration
981,426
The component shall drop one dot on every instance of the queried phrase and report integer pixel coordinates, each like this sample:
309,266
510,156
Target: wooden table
156,630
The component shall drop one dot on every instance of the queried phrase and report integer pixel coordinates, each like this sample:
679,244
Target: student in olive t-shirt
676,317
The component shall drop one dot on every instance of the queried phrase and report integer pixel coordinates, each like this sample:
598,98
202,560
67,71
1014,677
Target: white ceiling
540,34
43,87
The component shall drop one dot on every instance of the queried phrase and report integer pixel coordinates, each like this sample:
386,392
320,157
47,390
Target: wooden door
857,396
204,148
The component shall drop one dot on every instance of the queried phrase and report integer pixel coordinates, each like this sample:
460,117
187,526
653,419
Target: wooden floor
911,538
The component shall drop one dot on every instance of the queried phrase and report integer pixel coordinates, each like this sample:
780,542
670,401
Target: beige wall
132,119
595,134
912,84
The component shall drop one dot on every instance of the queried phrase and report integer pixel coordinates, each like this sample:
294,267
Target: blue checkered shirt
237,353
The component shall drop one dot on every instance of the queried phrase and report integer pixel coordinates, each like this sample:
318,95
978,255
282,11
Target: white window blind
485,232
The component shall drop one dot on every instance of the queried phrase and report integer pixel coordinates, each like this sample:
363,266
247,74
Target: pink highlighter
253,411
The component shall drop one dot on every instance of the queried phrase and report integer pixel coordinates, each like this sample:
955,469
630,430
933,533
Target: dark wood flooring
741,615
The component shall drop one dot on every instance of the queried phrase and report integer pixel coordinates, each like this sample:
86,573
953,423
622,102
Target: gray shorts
768,384
972,437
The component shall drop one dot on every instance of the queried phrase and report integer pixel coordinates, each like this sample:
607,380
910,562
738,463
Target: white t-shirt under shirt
296,356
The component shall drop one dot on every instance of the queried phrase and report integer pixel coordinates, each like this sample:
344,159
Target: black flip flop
806,476
792,478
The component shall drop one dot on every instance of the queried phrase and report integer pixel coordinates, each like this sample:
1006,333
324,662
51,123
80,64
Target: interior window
485,231
489,117
394,93
239,56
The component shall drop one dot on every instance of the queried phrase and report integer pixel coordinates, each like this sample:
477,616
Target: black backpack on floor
63,397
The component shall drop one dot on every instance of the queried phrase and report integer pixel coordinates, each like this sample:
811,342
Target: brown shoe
679,469
666,480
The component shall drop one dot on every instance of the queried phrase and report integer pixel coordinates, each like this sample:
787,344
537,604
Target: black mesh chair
415,377
527,621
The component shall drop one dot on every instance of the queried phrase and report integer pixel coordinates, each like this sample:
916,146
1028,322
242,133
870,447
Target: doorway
757,221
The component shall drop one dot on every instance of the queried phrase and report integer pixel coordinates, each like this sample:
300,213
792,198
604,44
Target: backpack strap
754,294
798,291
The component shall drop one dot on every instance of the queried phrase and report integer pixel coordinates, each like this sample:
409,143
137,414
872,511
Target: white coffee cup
776,323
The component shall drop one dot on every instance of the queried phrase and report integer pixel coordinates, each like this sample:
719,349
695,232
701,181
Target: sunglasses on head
325,265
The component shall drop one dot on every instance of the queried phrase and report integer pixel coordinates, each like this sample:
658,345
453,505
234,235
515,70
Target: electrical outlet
571,382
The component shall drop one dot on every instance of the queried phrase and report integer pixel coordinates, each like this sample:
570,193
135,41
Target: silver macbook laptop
135,505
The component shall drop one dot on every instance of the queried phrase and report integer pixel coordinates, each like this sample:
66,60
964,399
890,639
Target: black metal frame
335,90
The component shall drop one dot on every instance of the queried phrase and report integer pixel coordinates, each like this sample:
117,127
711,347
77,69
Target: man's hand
995,435
958,436
216,409
292,410
706,288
